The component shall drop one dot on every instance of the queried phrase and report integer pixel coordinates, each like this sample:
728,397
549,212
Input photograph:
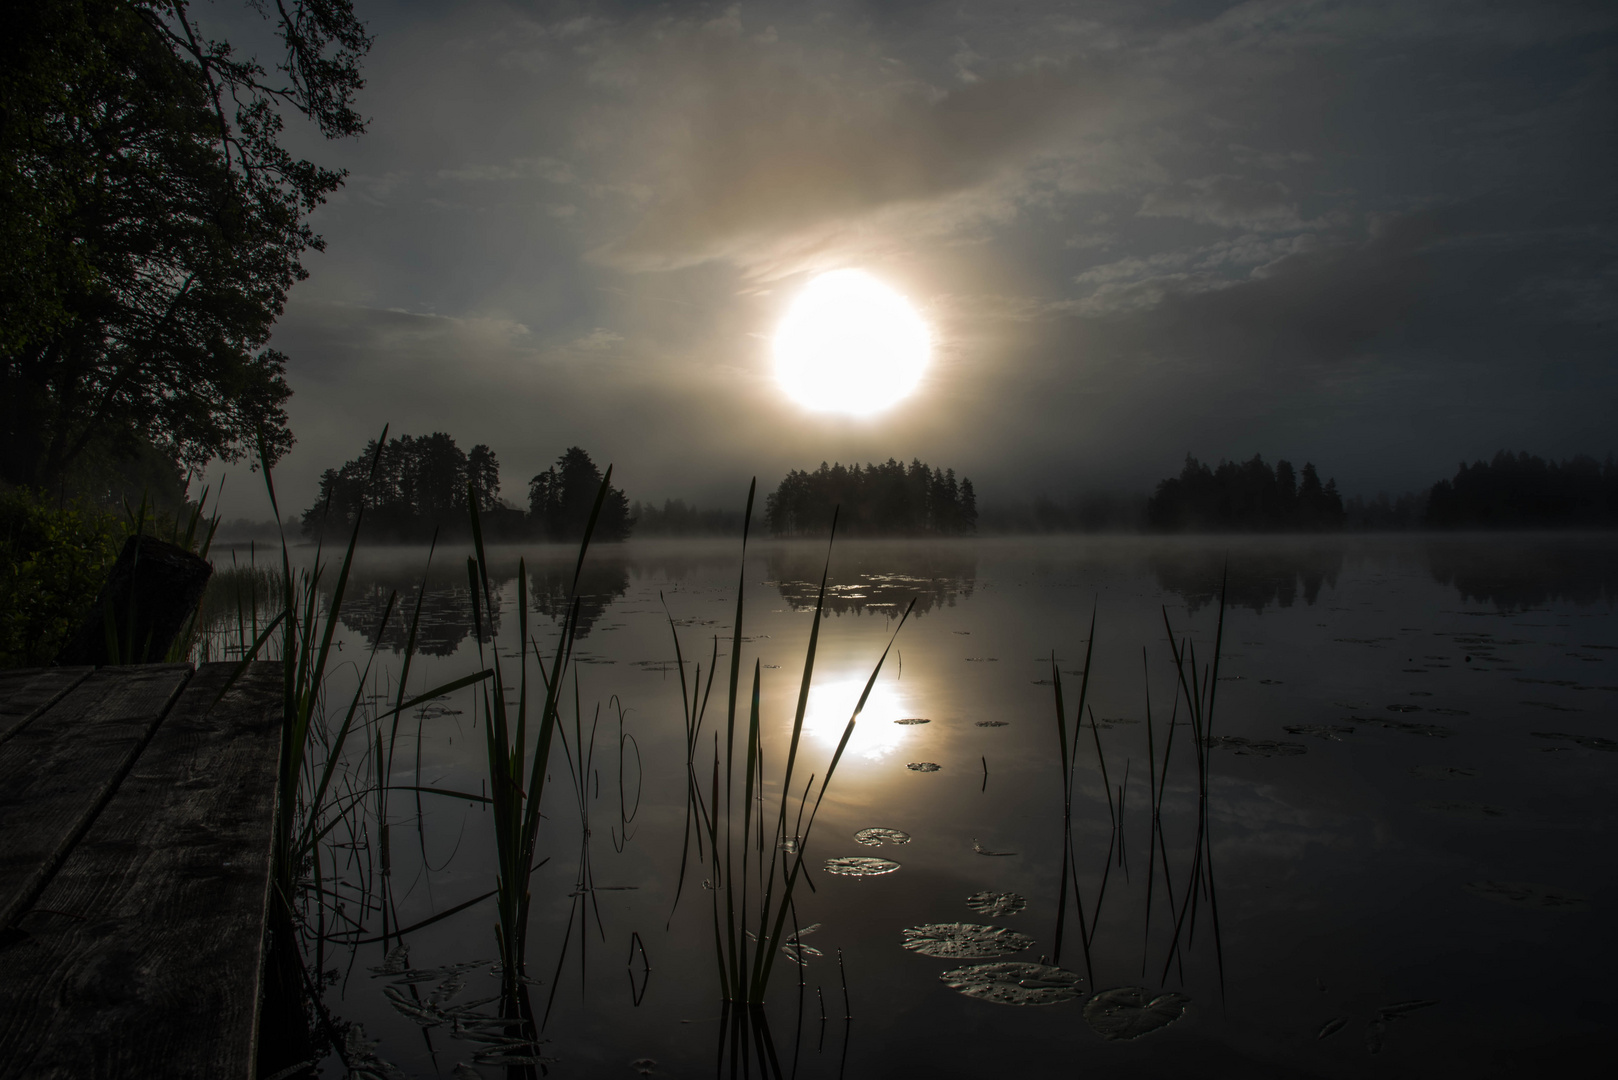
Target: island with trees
1247,496
412,488
889,499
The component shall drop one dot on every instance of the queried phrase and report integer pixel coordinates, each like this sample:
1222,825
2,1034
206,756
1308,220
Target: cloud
766,153
1230,202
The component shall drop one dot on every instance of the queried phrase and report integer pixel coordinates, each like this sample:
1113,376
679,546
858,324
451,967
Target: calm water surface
1410,806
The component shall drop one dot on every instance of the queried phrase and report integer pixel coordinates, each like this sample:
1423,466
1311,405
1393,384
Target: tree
153,223
560,500
1244,496
1518,491
887,499
483,474
418,485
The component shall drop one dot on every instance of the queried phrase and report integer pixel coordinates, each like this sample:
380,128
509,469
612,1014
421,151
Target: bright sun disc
850,344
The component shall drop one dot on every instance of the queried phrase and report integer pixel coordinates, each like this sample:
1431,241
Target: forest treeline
411,487
889,499
420,484
1511,491
1247,496
1520,491
676,517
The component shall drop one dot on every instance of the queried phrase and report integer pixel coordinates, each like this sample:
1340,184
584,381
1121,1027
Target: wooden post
153,590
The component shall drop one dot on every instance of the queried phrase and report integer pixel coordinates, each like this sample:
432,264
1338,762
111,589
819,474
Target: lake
1396,859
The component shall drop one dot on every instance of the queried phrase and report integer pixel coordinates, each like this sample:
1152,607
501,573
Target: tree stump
153,591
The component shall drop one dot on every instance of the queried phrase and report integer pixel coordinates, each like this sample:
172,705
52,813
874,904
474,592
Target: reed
307,624
753,893
517,769
1067,744
1198,689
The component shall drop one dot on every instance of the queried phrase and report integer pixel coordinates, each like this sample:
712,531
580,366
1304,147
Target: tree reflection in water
862,580
1272,575
1527,572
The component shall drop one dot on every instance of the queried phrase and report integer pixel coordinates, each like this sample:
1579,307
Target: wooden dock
135,829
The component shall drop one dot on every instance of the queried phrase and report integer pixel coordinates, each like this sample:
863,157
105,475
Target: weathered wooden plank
25,693
59,771
142,957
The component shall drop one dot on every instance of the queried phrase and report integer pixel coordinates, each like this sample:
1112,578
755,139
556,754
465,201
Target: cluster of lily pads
1125,1012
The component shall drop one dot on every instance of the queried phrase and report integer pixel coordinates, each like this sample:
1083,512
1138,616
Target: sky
1376,236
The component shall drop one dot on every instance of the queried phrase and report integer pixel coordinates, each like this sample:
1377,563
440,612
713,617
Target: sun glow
875,735
849,344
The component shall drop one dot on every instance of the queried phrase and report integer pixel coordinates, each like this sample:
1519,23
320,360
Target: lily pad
964,941
1589,742
878,837
1465,809
912,720
1442,772
1331,1027
799,953
923,766
1526,894
1129,1012
1329,732
1435,731
992,723
1258,747
996,903
1012,983
859,866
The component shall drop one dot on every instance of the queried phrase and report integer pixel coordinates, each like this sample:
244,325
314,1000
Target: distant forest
678,518
1248,496
420,485
889,499
1512,491
1518,491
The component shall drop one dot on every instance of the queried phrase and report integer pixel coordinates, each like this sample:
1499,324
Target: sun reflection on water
876,735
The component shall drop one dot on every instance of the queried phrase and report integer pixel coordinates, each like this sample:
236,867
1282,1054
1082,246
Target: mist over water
1409,790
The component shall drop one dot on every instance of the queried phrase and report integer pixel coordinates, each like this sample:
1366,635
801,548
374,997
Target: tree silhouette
560,500
1247,496
152,225
483,474
1518,491
889,499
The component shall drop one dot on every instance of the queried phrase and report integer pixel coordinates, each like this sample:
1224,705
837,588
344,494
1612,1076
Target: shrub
53,561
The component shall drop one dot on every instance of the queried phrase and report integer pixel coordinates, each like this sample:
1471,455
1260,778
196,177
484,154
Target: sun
850,344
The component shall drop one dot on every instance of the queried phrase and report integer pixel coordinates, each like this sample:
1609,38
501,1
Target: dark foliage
1518,491
420,485
153,223
1247,496
560,500
878,500
53,560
